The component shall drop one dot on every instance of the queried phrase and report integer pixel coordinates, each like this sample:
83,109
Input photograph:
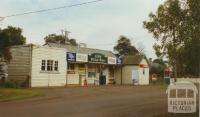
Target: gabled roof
133,59
82,50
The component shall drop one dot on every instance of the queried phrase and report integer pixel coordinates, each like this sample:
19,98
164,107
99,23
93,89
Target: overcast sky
99,25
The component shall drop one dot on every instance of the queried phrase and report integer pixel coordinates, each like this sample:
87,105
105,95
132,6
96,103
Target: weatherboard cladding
82,50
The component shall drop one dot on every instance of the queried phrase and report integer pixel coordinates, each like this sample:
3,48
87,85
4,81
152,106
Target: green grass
18,94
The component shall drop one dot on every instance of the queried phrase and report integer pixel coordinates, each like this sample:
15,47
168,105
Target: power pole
66,34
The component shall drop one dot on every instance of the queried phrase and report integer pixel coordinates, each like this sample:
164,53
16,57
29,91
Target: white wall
144,78
42,79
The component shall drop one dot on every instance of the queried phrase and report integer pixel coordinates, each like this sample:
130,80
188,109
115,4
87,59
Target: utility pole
66,34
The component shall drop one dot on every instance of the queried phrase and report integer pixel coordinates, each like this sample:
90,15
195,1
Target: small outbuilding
134,70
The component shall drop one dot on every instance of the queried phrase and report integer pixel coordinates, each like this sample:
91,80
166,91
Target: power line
51,9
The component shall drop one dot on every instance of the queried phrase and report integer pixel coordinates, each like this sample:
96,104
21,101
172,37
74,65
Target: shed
135,70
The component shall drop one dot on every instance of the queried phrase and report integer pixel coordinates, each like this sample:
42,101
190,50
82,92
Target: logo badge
182,97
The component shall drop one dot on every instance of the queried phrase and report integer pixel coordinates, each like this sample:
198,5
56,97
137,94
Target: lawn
17,94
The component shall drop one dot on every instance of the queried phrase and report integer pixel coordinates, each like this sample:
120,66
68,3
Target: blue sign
71,56
119,60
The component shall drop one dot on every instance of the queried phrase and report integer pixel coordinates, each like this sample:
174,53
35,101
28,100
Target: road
106,101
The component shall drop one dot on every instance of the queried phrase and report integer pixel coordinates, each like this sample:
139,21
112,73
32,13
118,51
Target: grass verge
18,94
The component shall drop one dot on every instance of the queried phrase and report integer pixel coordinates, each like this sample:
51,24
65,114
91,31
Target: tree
60,39
124,47
157,67
8,37
176,27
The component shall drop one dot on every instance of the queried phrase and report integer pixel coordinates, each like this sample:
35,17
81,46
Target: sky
99,25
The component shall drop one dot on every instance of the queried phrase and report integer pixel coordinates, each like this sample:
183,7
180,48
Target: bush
10,85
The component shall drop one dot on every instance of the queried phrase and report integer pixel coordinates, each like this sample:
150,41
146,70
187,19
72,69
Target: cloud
99,25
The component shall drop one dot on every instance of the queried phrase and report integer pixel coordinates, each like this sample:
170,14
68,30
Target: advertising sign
111,60
97,58
119,61
81,57
71,56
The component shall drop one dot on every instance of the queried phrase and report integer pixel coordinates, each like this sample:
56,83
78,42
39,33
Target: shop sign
71,72
71,56
143,66
119,60
97,58
81,57
111,60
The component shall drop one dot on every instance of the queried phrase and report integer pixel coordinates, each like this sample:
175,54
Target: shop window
49,65
111,71
43,65
81,69
91,71
71,66
55,65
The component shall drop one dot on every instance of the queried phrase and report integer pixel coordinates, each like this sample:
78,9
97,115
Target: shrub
10,85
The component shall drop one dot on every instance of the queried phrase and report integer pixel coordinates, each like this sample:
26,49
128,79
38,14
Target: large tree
176,28
124,47
60,39
8,37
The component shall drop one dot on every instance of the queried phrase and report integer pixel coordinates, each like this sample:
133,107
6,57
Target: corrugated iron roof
133,59
82,50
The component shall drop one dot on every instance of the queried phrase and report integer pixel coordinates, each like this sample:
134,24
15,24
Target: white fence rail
193,80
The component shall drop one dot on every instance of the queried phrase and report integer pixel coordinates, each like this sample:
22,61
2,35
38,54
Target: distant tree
124,47
60,39
8,37
53,38
73,42
157,67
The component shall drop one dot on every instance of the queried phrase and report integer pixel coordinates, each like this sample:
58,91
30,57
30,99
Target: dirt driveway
106,101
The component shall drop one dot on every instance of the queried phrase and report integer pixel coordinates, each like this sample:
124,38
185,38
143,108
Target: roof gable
133,59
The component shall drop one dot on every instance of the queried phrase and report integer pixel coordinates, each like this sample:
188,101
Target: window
91,71
70,66
43,65
55,65
49,65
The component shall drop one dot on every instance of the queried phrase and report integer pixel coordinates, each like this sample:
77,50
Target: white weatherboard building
37,66
88,65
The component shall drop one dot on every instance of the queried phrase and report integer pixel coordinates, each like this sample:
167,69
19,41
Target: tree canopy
124,47
60,39
176,28
8,37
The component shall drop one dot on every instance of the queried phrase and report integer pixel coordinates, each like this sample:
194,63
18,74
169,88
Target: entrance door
102,79
135,77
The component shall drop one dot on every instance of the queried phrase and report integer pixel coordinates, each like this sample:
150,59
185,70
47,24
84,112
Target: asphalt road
106,101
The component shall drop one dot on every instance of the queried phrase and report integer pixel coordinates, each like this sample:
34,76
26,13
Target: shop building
88,66
61,65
